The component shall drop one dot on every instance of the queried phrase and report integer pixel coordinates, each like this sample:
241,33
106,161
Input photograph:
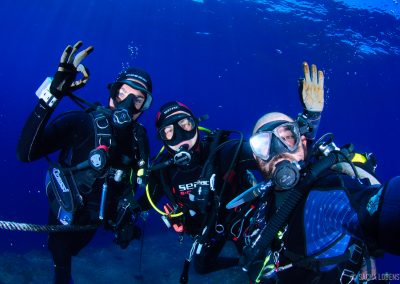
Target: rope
25,227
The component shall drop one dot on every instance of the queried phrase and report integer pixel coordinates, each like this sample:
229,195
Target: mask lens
260,144
139,101
123,95
187,123
289,135
167,132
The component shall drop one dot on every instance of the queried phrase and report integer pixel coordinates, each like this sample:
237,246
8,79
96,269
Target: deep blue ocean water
234,60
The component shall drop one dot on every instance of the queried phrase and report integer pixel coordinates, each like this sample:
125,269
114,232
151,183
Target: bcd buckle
355,254
347,276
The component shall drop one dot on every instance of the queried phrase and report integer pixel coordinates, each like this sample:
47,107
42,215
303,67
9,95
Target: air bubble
133,50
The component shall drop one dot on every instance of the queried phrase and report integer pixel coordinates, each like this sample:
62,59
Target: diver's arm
334,212
40,137
370,213
311,91
32,144
310,121
379,215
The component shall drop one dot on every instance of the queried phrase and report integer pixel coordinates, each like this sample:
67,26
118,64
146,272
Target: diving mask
137,103
177,128
275,138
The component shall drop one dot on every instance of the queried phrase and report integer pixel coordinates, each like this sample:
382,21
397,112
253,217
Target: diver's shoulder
334,179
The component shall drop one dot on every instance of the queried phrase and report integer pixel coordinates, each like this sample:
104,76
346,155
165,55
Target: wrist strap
43,92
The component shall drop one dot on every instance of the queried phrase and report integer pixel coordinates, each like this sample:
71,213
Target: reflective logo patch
59,179
373,202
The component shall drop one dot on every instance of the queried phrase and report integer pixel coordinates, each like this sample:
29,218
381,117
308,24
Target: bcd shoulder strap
102,129
141,150
209,166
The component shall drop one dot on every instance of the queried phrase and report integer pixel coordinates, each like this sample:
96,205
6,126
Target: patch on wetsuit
373,202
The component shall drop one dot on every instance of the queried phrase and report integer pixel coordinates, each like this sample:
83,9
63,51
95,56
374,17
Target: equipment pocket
62,193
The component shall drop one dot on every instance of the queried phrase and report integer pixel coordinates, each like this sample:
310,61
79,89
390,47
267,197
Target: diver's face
185,125
125,91
267,168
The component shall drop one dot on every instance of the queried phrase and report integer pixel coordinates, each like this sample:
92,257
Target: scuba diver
200,175
100,151
316,222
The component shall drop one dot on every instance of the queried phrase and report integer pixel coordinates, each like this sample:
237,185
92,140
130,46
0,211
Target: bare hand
311,89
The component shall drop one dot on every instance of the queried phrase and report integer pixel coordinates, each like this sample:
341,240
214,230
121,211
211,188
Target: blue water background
234,60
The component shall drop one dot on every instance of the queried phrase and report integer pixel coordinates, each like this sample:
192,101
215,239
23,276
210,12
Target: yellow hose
147,186
158,210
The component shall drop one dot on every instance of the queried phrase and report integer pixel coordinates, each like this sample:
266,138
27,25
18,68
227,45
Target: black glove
64,79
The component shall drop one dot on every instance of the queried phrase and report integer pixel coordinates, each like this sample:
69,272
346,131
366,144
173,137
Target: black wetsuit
179,181
74,135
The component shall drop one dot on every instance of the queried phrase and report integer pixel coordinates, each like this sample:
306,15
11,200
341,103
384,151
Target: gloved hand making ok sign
311,89
64,79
